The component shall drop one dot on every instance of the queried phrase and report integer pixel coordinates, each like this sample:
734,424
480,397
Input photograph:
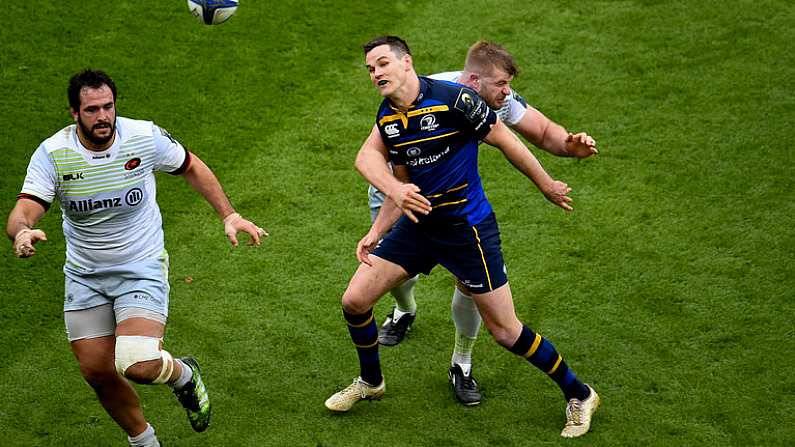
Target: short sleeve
476,115
172,157
393,155
40,180
517,107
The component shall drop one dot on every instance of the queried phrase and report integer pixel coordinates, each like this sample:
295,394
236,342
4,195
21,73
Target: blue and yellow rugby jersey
437,140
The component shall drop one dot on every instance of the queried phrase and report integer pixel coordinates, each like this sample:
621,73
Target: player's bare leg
182,375
117,396
496,308
368,284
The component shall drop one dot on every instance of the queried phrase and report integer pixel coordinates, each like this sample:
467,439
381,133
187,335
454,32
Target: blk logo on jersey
73,176
132,164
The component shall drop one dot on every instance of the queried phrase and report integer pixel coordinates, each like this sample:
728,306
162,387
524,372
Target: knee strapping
131,349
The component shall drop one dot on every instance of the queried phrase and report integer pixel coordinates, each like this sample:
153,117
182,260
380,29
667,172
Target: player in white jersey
101,170
489,69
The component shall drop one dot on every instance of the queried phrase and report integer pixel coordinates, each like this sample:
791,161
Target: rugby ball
212,12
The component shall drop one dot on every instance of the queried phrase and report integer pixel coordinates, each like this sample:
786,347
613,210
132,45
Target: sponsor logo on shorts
142,296
413,152
469,283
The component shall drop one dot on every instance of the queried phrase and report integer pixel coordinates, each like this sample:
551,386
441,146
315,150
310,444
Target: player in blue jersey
101,170
430,131
488,69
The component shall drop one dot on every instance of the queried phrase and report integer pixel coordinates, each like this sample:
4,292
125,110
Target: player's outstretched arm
25,215
524,160
202,179
553,138
388,214
372,164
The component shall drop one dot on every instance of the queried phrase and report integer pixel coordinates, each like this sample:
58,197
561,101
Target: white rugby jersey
510,113
108,198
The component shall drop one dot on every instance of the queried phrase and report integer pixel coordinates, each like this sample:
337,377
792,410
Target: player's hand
557,193
581,145
235,223
24,241
408,198
366,246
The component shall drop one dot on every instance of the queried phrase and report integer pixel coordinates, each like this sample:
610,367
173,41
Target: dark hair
396,44
88,78
483,56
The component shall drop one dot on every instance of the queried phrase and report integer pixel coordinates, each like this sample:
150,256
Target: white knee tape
132,349
168,368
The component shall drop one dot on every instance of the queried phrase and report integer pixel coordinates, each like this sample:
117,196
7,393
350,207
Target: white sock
466,368
467,324
397,313
146,439
404,297
187,374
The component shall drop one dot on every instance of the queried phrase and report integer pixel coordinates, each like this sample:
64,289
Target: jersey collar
424,90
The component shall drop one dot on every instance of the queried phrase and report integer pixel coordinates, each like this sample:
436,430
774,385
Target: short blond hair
484,56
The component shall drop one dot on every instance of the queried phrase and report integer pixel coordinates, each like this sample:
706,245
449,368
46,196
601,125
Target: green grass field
669,288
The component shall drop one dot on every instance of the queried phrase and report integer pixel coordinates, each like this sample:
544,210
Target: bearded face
96,118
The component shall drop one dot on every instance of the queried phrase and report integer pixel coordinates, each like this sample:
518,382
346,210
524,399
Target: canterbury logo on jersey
392,130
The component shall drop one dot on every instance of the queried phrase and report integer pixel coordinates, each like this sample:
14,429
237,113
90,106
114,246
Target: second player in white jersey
510,112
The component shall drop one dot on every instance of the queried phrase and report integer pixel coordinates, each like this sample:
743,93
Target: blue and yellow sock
364,334
542,354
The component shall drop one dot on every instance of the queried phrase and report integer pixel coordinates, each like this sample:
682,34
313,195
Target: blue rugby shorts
470,252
